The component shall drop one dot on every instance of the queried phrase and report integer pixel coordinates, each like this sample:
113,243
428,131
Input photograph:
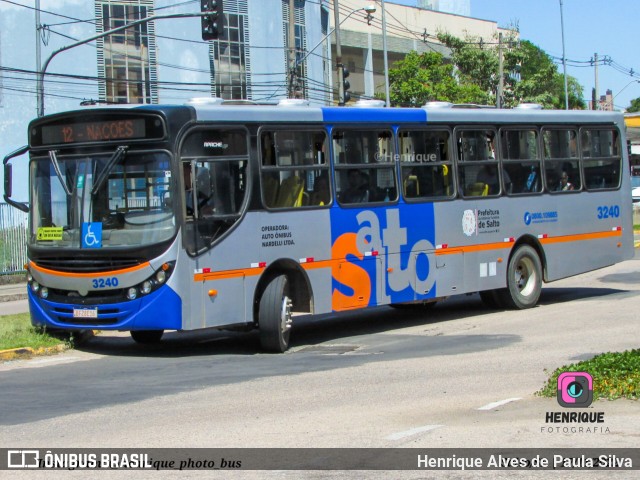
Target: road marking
54,360
491,406
413,431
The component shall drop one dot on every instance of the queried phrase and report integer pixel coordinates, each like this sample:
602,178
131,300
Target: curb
28,352
14,297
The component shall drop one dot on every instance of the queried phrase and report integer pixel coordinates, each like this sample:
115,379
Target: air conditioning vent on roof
293,102
204,101
369,103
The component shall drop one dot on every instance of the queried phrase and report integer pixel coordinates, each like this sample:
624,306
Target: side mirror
8,179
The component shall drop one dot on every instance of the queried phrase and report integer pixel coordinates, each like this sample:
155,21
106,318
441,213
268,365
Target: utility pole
596,105
292,49
386,60
39,85
500,71
564,62
339,65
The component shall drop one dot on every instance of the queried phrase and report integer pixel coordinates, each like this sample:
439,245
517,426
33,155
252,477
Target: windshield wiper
56,167
117,155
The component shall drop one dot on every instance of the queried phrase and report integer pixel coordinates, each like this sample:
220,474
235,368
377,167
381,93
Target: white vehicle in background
635,189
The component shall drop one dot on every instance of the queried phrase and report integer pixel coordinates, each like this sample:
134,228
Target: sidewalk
13,291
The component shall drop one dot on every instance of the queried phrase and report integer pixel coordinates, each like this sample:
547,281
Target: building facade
166,60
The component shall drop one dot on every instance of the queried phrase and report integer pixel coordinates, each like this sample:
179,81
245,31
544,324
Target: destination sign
122,129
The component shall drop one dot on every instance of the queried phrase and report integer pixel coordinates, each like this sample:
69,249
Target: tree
529,74
635,105
420,78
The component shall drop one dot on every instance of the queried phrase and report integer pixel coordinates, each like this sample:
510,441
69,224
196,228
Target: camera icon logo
575,389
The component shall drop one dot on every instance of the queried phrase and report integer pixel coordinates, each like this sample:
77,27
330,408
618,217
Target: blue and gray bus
218,215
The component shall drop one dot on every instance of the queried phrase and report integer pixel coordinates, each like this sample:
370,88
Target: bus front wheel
524,279
146,336
274,316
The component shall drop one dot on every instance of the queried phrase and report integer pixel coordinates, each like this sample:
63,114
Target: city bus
219,215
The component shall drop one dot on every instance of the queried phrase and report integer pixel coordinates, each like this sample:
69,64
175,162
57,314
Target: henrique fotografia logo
575,389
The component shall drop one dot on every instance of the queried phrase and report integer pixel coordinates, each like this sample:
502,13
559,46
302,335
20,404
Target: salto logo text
23,458
575,389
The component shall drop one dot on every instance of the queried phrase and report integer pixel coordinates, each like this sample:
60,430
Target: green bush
615,375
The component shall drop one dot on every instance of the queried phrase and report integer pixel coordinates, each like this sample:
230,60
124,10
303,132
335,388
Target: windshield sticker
49,233
91,235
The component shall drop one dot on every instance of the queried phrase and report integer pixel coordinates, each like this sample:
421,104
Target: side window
364,165
294,168
521,163
425,163
561,165
478,172
601,158
214,178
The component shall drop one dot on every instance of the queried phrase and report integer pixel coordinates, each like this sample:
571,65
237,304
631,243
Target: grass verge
615,375
16,331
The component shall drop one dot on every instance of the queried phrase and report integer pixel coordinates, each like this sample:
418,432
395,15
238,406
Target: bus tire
524,279
146,336
274,316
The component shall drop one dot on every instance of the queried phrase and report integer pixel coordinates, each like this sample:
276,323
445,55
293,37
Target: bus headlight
35,286
146,287
152,283
161,277
44,292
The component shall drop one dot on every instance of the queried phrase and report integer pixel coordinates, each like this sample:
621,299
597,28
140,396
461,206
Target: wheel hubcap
525,277
285,314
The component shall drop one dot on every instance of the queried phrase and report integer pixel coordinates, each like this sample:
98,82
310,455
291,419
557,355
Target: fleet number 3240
612,211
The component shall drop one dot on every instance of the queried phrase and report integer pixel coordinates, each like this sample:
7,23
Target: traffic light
346,96
212,22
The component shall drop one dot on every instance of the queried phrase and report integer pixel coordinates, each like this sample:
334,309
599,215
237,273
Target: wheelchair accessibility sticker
92,235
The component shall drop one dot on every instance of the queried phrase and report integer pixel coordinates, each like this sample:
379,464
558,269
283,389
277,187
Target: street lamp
42,69
621,90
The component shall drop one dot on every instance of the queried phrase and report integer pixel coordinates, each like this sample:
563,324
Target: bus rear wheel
524,279
146,336
274,316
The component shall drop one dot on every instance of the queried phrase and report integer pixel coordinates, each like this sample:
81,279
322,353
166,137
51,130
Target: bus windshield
103,200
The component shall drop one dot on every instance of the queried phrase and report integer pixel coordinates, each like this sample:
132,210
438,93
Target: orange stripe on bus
88,275
450,250
453,250
582,236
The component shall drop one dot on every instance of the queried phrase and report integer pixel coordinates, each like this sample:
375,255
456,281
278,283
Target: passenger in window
188,188
321,194
357,189
565,185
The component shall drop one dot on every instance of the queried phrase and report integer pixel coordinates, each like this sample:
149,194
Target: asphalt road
460,375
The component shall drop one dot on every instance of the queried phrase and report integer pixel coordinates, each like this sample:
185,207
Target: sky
605,27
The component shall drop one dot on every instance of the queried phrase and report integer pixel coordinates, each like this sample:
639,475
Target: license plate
85,313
